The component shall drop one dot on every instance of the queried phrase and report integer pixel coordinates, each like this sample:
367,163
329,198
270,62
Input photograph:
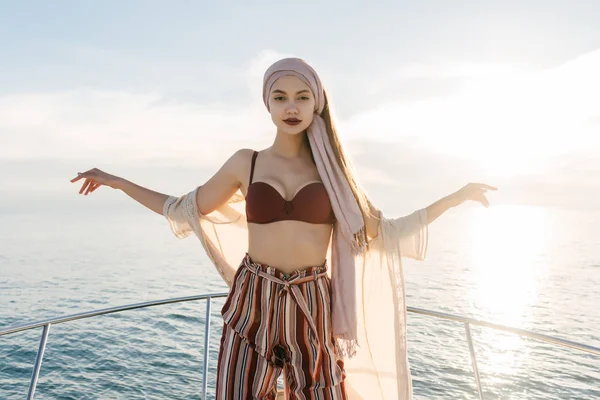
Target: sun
506,243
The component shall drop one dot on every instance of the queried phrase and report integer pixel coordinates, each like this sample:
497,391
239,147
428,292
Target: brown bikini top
264,204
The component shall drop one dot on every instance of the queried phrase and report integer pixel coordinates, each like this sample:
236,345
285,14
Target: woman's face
290,101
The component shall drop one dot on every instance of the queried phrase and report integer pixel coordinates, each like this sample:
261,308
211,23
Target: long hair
343,161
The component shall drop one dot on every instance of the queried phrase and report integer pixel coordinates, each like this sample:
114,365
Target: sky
428,95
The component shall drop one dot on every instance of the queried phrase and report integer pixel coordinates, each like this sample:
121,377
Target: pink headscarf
349,237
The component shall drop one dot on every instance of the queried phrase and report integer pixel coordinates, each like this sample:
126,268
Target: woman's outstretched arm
471,191
146,197
409,232
94,178
214,193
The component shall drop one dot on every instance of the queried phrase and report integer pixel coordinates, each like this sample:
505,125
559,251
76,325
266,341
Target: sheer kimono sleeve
408,234
179,212
223,233
380,369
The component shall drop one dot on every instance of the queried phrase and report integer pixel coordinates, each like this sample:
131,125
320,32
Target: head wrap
349,236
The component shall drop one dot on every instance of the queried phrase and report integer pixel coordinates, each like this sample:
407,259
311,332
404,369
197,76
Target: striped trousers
276,323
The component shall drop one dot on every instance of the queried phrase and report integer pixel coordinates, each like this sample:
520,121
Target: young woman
335,333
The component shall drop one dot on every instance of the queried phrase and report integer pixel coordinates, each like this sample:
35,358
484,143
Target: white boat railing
468,322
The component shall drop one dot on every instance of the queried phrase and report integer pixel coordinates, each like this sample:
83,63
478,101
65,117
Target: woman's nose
291,108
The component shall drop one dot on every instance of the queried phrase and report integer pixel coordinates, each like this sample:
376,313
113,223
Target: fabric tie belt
290,286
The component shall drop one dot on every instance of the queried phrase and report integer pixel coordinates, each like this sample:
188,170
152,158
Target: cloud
110,126
116,125
496,115
497,125
491,108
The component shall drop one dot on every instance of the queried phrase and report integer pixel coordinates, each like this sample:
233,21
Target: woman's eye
280,98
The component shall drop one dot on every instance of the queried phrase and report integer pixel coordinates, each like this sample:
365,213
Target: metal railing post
473,360
206,350
38,362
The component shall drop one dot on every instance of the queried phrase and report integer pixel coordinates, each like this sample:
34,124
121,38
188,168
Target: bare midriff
289,245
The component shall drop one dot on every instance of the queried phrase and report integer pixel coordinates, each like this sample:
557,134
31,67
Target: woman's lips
292,121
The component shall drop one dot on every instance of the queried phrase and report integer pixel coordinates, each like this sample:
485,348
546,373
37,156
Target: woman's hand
472,191
94,178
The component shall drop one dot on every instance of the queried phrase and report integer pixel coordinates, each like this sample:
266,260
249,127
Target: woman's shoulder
240,162
243,154
243,157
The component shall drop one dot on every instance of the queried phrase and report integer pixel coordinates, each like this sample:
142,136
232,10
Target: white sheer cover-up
380,368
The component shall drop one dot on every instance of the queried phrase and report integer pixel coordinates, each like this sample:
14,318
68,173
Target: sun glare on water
506,246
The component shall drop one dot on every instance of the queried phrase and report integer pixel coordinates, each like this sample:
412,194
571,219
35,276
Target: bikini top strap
252,166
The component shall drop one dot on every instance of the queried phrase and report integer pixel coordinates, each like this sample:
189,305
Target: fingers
483,186
84,186
78,177
485,202
88,187
96,186
90,184
86,174
93,186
